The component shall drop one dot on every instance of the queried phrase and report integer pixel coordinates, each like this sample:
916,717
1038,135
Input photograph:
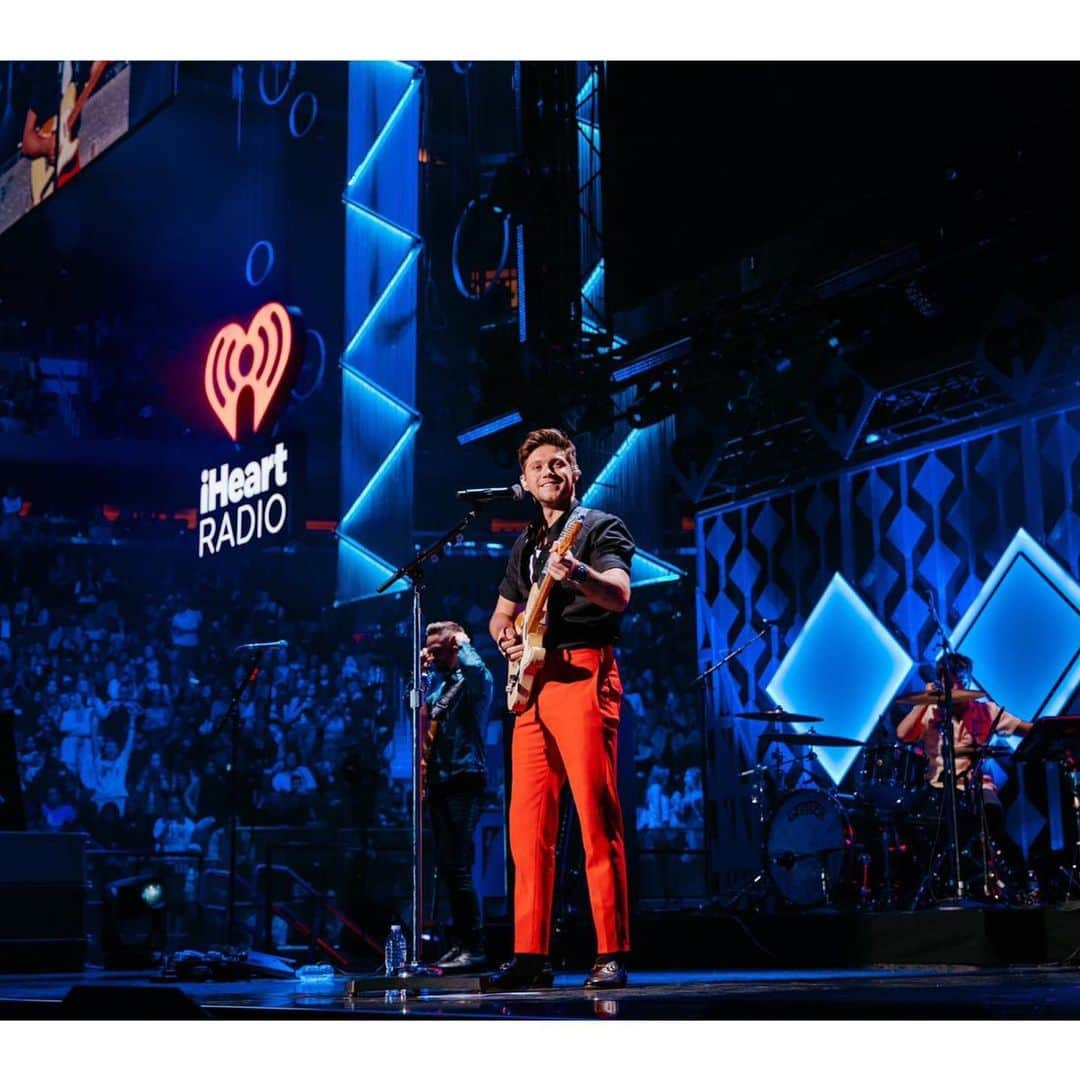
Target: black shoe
520,974
464,960
606,974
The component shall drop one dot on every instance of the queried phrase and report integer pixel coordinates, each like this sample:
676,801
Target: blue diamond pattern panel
942,517
844,667
1022,631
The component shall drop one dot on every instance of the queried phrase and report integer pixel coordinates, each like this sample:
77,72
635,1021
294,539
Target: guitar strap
539,558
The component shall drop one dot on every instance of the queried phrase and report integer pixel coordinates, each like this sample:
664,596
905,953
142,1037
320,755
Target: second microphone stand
948,753
232,718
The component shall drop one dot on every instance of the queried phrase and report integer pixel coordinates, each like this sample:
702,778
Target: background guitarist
455,779
42,93
569,730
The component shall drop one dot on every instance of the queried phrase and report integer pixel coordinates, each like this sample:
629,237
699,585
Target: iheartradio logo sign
248,375
250,371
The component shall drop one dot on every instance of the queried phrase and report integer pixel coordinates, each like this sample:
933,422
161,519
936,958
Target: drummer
973,722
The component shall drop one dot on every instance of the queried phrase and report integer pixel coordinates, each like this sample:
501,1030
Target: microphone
480,495
251,646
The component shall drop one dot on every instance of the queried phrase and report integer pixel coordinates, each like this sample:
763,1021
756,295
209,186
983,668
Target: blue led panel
845,667
604,493
382,249
1022,631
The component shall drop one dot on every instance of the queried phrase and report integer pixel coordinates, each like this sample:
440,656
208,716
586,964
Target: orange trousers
569,732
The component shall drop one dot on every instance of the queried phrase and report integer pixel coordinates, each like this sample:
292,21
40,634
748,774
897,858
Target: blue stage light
843,666
254,277
489,427
1022,631
657,358
376,146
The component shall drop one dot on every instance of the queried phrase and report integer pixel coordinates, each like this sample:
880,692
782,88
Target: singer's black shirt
573,621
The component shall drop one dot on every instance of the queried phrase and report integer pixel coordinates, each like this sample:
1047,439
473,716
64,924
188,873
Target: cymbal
997,750
768,716
811,738
937,699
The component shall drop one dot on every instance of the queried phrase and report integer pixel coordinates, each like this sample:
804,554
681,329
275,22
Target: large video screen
59,115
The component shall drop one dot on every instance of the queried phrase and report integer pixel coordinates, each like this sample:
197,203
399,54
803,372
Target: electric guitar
531,625
429,727
43,176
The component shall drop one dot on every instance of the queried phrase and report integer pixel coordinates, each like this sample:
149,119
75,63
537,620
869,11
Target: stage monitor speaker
130,1003
42,901
12,814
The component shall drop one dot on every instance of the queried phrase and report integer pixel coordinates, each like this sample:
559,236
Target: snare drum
809,844
891,777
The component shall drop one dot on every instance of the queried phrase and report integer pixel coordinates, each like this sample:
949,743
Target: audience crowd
118,674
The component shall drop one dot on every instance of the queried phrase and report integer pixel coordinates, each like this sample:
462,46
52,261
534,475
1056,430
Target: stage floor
1047,991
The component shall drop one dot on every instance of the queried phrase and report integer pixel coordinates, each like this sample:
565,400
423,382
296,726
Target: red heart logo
270,337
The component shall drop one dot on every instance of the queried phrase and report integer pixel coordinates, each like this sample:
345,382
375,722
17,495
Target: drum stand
759,796
1072,874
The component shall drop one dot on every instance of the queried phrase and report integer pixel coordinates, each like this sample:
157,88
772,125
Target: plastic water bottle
1034,895
315,973
396,953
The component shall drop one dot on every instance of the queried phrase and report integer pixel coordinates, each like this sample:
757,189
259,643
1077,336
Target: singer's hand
933,688
560,567
510,646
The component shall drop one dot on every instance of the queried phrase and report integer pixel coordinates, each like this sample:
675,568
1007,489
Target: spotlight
153,895
133,922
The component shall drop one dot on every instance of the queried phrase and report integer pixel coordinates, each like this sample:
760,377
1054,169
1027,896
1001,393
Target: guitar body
531,625
46,178
42,174
519,686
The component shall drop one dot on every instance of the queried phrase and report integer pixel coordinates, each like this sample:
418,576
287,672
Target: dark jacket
461,703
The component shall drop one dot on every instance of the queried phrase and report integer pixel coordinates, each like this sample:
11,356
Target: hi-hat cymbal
779,716
811,738
936,699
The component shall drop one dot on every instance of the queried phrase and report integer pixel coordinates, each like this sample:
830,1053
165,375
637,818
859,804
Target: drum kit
882,846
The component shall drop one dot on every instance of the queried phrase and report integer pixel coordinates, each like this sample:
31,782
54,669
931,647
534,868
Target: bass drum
809,845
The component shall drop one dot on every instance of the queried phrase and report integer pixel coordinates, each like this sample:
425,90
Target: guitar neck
566,541
88,89
540,606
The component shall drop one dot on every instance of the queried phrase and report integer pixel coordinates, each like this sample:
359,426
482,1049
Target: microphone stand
232,718
414,571
948,746
760,876
731,655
